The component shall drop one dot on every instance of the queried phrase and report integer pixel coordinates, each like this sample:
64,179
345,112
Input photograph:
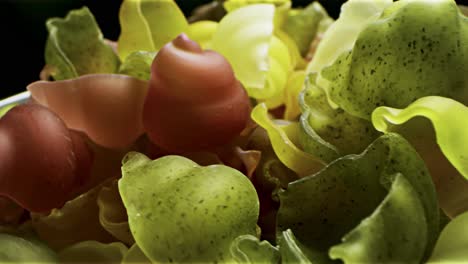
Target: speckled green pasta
248,249
182,212
303,25
450,121
291,250
135,255
260,60
148,25
112,213
331,133
138,64
378,241
282,138
387,185
452,243
59,227
75,47
31,250
416,49
93,251
437,127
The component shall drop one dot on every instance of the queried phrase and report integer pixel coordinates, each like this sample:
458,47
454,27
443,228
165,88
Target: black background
23,33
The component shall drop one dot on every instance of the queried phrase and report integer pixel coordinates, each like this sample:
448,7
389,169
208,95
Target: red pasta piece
42,162
194,101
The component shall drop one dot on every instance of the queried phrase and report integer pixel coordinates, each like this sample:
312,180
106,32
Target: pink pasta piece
107,107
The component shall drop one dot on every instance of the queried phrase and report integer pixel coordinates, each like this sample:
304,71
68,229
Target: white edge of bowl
15,99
